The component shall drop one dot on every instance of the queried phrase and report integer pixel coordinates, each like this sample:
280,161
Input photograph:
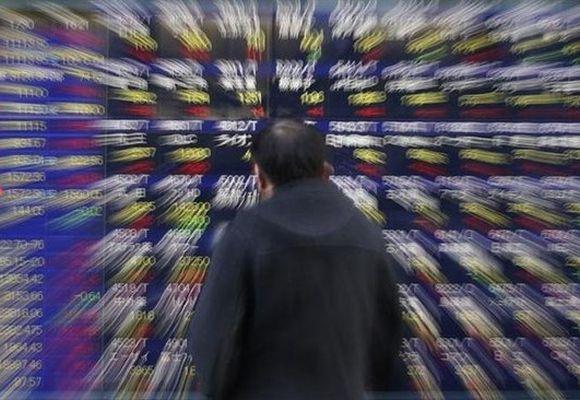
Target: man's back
313,311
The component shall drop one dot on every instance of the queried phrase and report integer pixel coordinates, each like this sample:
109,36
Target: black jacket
299,302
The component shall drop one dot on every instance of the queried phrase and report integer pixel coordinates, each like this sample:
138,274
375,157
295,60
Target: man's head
286,151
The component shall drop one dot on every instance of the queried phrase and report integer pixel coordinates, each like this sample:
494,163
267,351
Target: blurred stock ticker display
124,136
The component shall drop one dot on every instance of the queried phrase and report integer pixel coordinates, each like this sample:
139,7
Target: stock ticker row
125,129
325,59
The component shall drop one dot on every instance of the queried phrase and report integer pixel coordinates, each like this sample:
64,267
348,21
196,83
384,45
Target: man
299,302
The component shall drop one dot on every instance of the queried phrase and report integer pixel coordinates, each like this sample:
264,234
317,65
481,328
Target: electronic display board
125,129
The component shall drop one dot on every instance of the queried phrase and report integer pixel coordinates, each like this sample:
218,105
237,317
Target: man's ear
262,180
258,173
328,170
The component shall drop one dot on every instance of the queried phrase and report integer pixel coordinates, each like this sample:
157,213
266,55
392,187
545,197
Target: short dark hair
289,150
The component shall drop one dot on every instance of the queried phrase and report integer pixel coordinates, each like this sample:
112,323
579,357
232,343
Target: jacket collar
305,183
